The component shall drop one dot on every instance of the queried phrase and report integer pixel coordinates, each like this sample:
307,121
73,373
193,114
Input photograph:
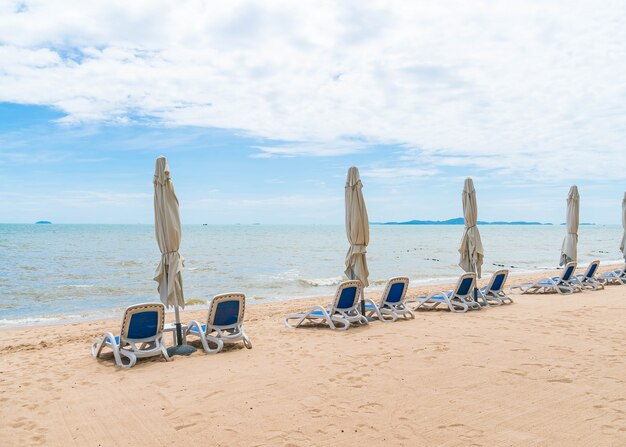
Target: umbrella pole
363,301
179,331
180,348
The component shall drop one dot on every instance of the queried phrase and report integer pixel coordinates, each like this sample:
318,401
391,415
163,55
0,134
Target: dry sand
547,370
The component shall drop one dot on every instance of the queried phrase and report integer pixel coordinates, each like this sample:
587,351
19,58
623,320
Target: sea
58,273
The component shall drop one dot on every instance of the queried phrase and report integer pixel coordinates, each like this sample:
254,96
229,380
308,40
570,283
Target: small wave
324,282
127,263
32,321
76,286
200,269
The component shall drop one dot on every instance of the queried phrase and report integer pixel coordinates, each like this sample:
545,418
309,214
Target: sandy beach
547,370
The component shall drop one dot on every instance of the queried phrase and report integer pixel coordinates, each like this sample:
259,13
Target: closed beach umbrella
357,228
168,235
471,248
568,249
623,245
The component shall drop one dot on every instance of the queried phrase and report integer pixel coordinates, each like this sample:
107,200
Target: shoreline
546,370
371,291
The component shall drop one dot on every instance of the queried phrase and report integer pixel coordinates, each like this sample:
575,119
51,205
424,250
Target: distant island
43,222
455,221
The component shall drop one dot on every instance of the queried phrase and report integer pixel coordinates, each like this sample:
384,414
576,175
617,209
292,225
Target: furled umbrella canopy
569,247
357,228
168,235
623,245
471,248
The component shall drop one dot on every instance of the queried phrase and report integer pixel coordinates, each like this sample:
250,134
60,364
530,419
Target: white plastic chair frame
335,317
496,297
452,299
127,347
221,334
616,277
553,284
589,280
390,311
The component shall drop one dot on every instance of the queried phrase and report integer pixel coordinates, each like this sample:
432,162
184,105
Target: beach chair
493,293
391,304
141,335
588,279
224,323
615,277
461,299
560,284
342,312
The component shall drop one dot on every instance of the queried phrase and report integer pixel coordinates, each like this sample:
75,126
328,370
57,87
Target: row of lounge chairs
393,304
143,325
568,282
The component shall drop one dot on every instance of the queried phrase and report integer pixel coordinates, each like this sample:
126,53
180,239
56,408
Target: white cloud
531,88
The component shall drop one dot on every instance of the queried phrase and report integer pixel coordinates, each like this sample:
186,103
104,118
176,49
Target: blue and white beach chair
560,284
343,311
493,293
461,299
391,304
615,277
588,280
141,335
224,323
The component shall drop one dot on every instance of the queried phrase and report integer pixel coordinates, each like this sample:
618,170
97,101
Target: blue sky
261,107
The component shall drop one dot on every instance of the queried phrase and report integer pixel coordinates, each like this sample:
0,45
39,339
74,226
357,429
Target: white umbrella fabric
570,242
471,248
357,229
168,235
622,247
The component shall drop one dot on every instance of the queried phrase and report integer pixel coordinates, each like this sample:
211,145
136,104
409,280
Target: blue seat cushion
347,298
464,288
143,325
227,313
194,329
395,292
117,340
497,283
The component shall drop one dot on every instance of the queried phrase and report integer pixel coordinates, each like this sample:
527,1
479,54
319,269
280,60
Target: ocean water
52,272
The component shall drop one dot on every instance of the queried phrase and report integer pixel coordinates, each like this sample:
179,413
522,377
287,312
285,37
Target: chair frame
221,334
455,301
496,297
588,280
556,284
390,311
616,277
127,347
335,317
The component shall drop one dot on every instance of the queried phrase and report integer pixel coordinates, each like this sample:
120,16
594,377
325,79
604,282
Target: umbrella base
181,350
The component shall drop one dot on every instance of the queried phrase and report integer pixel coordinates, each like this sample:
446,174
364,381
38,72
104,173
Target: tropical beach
546,370
278,223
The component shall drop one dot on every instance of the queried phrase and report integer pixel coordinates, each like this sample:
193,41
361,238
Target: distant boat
43,222
204,225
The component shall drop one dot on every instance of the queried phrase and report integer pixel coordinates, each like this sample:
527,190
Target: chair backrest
591,270
570,267
496,283
347,295
465,284
395,290
226,309
143,321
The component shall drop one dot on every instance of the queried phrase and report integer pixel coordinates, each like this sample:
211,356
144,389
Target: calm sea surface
52,272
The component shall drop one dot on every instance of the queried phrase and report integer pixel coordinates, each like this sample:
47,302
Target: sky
262,106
